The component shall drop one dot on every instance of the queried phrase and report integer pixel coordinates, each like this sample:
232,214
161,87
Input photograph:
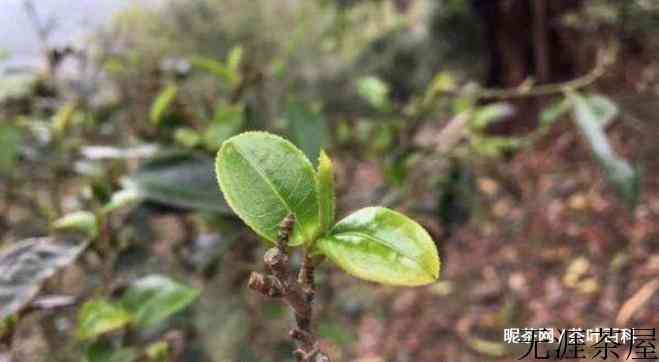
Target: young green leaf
79,221
591,120
384,246
26,265
161,105
155,298
264,178
326,196
100,316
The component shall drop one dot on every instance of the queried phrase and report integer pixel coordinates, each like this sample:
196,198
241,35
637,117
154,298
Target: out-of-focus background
522,134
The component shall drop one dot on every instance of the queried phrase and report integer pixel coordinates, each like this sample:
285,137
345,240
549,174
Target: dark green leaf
10,146
103,351
26,265
100,316
264,178
383,246
179,179
155,298
326,196
620,173
307,129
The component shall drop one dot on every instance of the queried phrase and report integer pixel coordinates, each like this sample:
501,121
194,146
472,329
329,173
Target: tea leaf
264,178
326,196
384,246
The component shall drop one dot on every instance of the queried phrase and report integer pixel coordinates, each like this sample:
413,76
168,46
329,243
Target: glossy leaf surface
100,316
26,265
179,179
384,246
264,178
326,196
155,298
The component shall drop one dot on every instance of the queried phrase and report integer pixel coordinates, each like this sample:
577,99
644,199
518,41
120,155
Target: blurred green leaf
234,59
101,316
227,122
158,351
11,142
25,265
326,196
442,82
306,128
494,146
383,246
591,118
603,108
63,119
187,137
264,178
180,179
103,351
490,113
122,198
375,92
162,103
155,298
217,68
79,221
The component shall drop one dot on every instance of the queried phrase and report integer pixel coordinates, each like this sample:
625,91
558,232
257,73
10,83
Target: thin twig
298,293
604,60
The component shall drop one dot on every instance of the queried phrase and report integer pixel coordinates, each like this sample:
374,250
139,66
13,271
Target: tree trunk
525,41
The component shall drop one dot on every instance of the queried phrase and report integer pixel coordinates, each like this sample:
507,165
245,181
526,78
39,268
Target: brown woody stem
298,293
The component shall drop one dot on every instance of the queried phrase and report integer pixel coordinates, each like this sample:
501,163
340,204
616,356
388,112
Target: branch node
267,286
